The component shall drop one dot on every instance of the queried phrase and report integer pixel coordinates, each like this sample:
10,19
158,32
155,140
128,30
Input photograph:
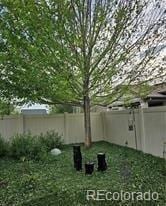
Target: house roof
122,102
156,95
162,91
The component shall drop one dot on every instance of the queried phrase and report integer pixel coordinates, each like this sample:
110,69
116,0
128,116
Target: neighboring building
33,111
99,109
156,97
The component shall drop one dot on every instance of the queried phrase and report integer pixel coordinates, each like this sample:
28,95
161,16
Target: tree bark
87,122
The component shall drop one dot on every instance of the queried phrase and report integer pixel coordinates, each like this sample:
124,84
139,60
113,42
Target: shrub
51,140
34,147
26,145
3,147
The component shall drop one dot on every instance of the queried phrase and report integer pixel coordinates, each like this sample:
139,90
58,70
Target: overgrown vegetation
55,182
3,147
26,145
51,140
30,146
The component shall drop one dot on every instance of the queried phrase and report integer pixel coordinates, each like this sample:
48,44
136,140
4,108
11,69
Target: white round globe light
56,152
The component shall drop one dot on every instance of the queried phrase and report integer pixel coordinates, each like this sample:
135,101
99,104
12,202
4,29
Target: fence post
142,127
66,140
103,125
21,124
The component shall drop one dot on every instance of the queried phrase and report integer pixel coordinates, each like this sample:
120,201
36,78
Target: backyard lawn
53,181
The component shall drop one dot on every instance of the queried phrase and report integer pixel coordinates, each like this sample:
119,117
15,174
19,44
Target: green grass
55,182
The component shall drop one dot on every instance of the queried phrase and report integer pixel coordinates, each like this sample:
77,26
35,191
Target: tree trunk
87,122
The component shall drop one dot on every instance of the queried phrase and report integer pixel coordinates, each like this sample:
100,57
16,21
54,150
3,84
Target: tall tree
79,52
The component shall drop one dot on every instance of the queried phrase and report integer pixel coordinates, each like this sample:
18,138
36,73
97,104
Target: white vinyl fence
141,129
70,126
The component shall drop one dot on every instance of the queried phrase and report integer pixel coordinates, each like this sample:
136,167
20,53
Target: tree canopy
79,52
61,109
6,108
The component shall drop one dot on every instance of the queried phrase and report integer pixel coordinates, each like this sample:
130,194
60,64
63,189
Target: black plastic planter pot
77,157
89,168
102,165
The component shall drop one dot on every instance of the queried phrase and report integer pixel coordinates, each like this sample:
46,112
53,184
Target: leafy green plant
26,145
3,147
20,145
34,147
51,139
